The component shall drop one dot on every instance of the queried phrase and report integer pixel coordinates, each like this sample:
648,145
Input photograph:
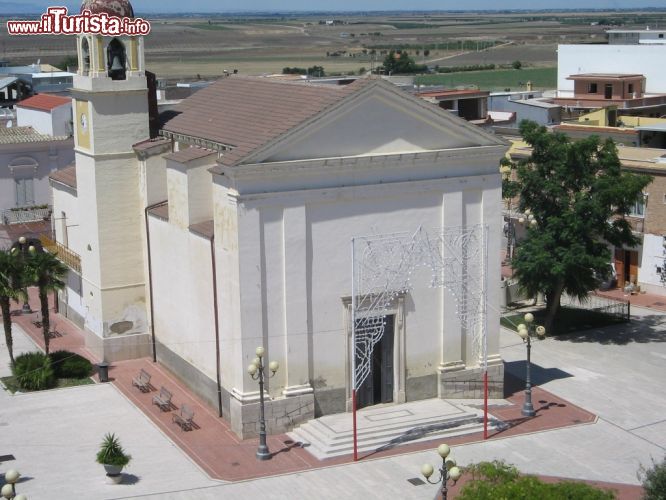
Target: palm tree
46,272
10,289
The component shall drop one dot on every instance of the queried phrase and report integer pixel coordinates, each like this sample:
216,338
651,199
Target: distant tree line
312,71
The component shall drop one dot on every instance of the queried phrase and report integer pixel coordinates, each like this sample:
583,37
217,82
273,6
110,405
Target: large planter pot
113,473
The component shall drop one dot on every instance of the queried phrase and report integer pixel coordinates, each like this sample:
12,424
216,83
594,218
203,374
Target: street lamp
8,491
448,471
525,332
256,371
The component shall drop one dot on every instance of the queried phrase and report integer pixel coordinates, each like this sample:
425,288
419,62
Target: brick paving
222,455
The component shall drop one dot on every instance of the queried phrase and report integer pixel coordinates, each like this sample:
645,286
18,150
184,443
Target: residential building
636,37
35,141
233,229
469,104
631,58
526,105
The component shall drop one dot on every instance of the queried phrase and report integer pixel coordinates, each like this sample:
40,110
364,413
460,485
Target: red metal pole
485,404
354,425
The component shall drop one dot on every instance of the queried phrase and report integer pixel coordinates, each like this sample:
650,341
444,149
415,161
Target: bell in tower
116,58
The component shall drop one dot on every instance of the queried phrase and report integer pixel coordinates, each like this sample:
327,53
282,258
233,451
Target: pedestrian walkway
217,450
649,300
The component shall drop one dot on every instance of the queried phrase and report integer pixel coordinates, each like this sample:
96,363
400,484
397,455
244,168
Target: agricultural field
205,46
496,80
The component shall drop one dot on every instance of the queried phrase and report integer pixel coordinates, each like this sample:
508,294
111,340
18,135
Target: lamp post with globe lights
8,491
256,371
525,331
448,471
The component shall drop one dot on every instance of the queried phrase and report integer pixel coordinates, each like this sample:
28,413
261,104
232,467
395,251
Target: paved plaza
616,374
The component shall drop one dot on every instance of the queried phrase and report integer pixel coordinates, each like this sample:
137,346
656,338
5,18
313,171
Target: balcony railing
64,254
28,214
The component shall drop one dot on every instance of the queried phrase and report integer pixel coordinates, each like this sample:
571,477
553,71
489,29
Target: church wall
311,338
182,297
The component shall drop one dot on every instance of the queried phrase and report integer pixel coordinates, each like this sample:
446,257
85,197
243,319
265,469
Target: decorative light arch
382,268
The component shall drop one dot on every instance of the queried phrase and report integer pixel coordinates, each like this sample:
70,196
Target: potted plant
112,456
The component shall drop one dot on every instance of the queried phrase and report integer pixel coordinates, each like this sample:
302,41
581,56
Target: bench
163,399
183,418
142,381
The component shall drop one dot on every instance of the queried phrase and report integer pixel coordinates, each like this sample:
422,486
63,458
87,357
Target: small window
630,88
661,35
592,88
638,209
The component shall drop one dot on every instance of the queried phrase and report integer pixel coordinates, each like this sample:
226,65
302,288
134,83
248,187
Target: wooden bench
183,418
163,399
142,381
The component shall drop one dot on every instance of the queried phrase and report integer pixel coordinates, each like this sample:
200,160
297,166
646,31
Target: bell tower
110,106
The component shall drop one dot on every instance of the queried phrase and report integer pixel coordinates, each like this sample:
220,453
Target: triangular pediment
378,119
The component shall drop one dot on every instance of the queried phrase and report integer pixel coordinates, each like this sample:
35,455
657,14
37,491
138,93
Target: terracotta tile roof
189,154
247,113
161,212
66,176
453,93
20,135
149,143
44,102
206,228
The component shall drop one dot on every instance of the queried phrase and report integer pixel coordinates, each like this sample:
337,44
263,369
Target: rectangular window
25,196
608,91
630,88
638,210
592,88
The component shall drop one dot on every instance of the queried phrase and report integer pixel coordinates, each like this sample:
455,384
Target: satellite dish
10,124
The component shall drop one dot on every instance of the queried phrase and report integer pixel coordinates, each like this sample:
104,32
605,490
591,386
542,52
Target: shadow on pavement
514,376
644,329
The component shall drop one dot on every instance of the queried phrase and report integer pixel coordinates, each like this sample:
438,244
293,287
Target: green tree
654,480
579,197
11,288
68,61
516,64
46,272
400,63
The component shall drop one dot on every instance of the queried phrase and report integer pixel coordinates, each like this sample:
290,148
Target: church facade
232,229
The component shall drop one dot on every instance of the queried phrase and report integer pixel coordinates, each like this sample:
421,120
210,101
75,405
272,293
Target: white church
231,228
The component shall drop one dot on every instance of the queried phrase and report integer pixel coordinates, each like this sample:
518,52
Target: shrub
516,64
112,453
33,371
654,481
493,480
70,365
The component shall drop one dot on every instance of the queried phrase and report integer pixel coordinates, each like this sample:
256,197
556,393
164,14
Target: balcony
64,254
26,214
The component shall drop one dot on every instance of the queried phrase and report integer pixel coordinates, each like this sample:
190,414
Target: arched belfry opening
84,63
116,58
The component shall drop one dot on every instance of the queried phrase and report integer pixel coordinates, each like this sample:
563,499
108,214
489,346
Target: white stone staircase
387,426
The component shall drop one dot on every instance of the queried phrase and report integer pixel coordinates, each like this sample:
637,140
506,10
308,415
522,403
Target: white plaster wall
641,59
177,194
653,257
183,296
330,219
61,118
49,157
200,194
41,121
118,121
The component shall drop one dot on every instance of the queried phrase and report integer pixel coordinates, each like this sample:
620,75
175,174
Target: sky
169,6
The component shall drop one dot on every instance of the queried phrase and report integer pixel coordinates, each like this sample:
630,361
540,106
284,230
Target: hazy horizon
225,6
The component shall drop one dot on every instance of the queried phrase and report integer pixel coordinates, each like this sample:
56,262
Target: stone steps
332,436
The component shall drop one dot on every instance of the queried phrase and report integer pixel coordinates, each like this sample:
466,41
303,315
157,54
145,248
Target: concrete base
419,388
329,401
70,314
468,383
119,347
196,380
281,415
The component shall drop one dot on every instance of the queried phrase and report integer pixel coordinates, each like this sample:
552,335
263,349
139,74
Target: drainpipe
217,326
150,276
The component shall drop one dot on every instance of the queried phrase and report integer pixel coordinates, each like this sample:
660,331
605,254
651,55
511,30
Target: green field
541,78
